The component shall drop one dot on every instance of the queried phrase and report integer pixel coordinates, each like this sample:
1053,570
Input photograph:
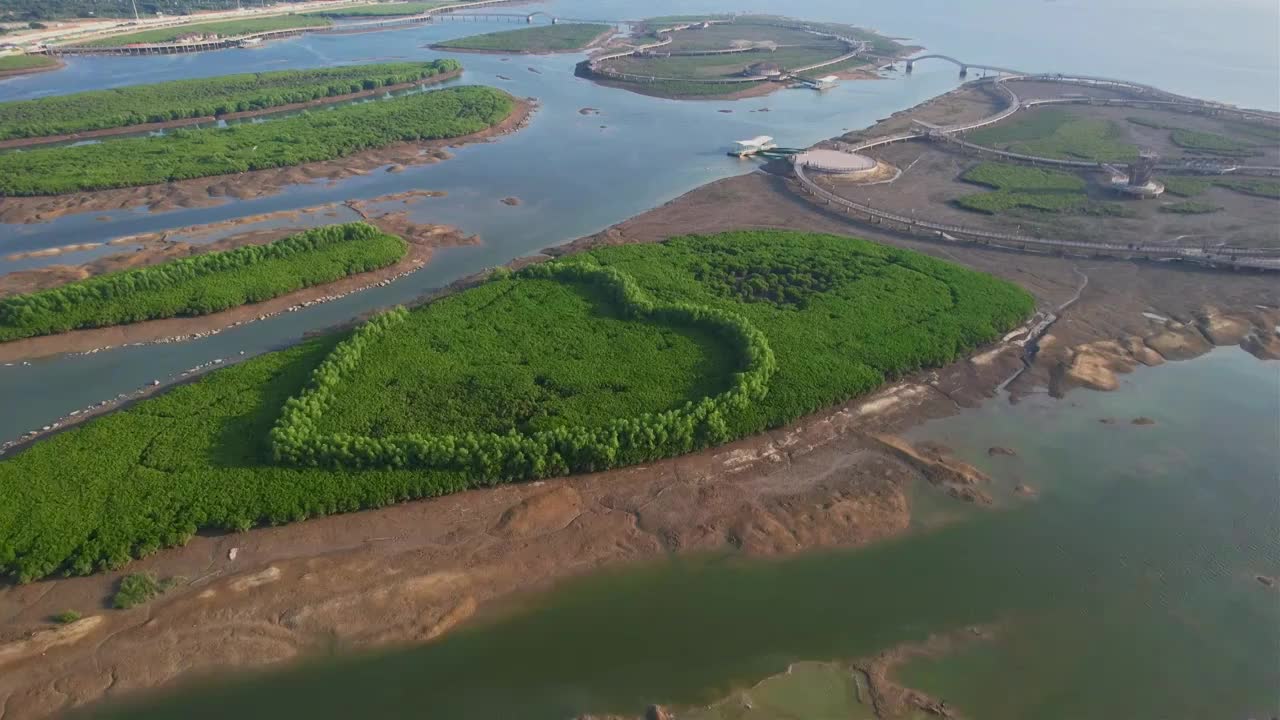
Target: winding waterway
1125,590
577,173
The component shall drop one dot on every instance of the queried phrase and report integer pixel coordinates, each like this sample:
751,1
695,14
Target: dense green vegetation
564,37
202,284
686,88
1187,186
221,28
140,588
308,137
580,435
138,104
1210,143
842,316
1190,207
66,617
1184,186
53,9
1250,186
377,10
1153,124
14,63
1018,186
1057,133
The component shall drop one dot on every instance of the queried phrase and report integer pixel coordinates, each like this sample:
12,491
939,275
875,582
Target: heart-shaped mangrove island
601,359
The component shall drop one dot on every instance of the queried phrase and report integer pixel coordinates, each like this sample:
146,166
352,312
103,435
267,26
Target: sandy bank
204,192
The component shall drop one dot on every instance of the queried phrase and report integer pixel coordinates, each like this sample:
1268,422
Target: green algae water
1127,589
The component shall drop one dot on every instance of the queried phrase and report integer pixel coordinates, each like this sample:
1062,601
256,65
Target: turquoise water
576,177
1126,590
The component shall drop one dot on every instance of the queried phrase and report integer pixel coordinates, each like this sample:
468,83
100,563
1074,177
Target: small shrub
66,617
1189,208
140,588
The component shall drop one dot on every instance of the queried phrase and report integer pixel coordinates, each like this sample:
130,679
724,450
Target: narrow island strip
202,284
563,37
141,108
22,64
213,30
286,142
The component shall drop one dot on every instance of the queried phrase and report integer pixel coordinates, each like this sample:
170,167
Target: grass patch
307,137
1188,186
686,88
1018,186
551,38
202,284
160,102
1057,133
14,63
377,10
1153,124
1250,186
1189,207
227,28
140,588
842,316
66,617
1185,186
1209,143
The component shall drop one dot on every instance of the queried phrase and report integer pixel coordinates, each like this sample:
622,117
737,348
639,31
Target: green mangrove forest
615,356
307,137
202,284
204,97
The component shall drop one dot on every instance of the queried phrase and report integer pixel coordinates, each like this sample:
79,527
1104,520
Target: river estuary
576,174
1126,589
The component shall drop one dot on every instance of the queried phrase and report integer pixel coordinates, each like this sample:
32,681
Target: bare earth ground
203,192
411,572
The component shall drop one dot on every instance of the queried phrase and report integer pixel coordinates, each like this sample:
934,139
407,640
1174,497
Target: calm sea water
576,177
1126,590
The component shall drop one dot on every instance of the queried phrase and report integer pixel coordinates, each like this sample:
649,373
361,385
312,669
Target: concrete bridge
964,66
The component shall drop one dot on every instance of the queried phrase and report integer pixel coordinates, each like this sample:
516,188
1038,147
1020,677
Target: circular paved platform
835,161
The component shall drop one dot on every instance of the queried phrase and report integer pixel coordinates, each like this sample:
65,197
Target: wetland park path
1226,257
665,36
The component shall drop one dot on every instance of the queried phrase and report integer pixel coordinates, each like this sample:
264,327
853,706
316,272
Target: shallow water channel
1125,590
